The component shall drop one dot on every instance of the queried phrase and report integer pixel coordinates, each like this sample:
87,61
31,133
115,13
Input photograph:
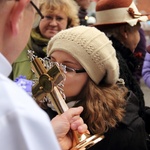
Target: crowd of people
102,64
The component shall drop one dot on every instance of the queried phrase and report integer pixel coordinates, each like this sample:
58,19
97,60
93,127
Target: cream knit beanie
91,48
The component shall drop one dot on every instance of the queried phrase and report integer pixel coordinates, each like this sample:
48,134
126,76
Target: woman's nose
53,22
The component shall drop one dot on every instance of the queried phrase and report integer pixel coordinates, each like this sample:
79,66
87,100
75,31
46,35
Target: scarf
37,43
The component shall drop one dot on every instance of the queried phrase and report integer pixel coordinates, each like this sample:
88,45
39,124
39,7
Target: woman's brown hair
103,106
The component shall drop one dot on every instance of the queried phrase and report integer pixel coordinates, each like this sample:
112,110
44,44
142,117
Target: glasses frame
37,9
65,68
76,70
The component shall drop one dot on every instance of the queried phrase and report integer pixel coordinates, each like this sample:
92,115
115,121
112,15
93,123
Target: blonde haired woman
55,15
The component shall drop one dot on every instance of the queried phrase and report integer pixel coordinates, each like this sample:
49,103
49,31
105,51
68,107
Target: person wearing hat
88,60
120,20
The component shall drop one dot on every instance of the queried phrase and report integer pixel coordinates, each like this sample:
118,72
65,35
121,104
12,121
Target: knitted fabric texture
91,48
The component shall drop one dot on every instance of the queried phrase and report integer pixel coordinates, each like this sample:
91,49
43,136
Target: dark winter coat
127,64
128,135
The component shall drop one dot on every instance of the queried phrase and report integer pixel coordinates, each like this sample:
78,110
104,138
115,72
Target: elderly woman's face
51,24
74,82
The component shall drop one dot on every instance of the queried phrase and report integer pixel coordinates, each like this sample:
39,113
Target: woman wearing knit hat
120,20
89,62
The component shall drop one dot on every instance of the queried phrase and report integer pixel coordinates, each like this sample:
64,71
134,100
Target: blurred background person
83,11
56,15
139,55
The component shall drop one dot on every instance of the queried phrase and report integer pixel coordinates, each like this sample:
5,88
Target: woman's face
51,24
74,81
133,38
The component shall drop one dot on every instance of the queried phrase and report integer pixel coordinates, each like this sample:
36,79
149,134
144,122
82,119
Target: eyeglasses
65,68
37,9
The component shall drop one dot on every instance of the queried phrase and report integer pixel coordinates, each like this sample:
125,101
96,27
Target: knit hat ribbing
91,48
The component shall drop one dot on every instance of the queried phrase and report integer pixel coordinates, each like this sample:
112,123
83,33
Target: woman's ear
16,13
123,31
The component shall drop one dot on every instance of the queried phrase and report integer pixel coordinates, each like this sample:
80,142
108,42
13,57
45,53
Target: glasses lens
65,68
68,69
60,66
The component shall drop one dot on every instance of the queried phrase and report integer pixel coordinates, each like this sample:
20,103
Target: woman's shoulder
23,56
